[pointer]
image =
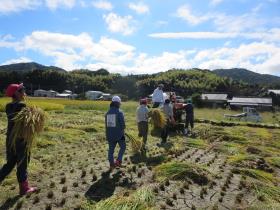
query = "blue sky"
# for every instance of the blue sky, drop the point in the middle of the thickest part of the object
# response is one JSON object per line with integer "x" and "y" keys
{"x": 143, "y": 36}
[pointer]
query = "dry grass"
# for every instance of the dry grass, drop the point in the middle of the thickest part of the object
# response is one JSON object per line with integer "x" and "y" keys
{"x": 157, "y": 118}
{"x": 28, "y": 123}
{"x": 136, "y": 144}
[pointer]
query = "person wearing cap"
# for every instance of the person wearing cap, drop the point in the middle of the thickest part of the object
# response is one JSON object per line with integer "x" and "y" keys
{"x": 189, "y": 116}
{"x": 16, "y": 156}
{"x": 168, "y": 112}
{"x": 142, "y": 120}
{"x": 115, "y": 126}
{"x": 158, "y": 97}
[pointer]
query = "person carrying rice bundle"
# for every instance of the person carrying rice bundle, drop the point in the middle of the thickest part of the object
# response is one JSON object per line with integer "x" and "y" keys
{"x": 142, "y": 115}
{"x": 168, "y": 111}
{"x": 16, "y": 148}
{"x": 115, "y": 126}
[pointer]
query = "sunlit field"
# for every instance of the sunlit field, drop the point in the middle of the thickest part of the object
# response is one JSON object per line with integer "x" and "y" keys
{"x": 217, "y": 167}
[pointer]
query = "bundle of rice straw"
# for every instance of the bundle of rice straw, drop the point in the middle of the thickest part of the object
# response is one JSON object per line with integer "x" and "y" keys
{"x": 136, "y": 144}
{"x": 28, "y": 123}
{"x": 157, "y": 118}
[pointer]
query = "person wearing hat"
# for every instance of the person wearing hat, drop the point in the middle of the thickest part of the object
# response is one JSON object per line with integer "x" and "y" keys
{"x": 115, "y": 126}
{"x": 16, "y": 156}
{"x": 168, "y": 111}
{"x": 142, "y": 120}
{"x": 189, "y": 116}
{"x": 158, "y": 97}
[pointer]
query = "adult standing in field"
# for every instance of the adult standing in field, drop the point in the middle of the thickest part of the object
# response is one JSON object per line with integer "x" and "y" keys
{"x": 189, "y": 117}
{"x": 142, "y": 120}
{"x": 158, "y": 97}
{"x": 16, "y": 156}
{"x": 168, "y": 112}
{"x": 115, "y": 126}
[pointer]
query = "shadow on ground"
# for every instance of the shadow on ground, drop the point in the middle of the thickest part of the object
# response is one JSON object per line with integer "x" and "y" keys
{"x": 106, "y": 185}
{"x": 10, "y": 202}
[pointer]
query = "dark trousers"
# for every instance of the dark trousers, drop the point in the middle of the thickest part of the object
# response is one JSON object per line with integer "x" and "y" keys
{"x": 189, "y": 121}
{"x": 112, "y": 146}
{"x": 143, "y": 130}
{"x": 156, "y": 104}
{"x": 17, "y": 158}
{"x": 164, "y": 133}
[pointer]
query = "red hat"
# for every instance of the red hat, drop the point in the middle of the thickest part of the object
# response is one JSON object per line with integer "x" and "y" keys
{"x": 12, "y": 88}
{"x": 143, "y": 101}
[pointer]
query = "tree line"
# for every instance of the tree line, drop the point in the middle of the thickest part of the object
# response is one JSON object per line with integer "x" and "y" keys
{"x": 184, "y": 82}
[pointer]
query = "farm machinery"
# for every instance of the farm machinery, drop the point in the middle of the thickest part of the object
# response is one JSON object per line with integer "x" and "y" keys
{"x": 178, "y": 111}
{"x": 248, "y": 114}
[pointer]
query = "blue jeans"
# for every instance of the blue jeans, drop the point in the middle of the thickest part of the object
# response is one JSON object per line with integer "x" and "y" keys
{"x": 112, "y": 146}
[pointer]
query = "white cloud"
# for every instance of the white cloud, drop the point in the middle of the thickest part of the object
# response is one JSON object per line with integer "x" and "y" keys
{"x": 243, "y": 22}
{"x": 10, "y": 6}
{"x": 118, "y": 24}
{"x": 184, "y": 12}
{"x": 139, "y": 7}
{"x": 271, "y": 35}
{"x": 68, "y": 50}
{"x": 54, "y": 4}
{"x": 260, "y": 57}
{"x": 81, "y": 51}
{"x": 17, "y": 60}
{"x": 216, "y": 2}
{"x": 102, "y": 4}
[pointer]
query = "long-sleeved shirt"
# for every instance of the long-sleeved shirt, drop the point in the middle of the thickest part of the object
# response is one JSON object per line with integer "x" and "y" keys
{"x": 158, "y": 96}
{"x": 115, "y": 124}
{"x": 142, "y": 113}
{"x": 189, "y": 109}
{"x": 168, "y": 110}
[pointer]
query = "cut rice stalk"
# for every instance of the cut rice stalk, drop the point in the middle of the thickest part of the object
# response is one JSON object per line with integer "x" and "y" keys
{"x": 157, "y": 118}
{"x": 28, "y": 123}
{"x": 136, "y": 144}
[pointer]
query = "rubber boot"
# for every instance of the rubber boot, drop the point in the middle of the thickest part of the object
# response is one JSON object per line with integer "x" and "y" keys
{"x": 118, "y": 163}
{"x": 25, "y": 189}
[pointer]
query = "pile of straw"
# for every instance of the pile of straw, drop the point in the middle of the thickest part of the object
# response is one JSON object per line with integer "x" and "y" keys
{"x": 28, "y": 123}
{"x": 136, "y": 144}
{"x": 157, "y": 118}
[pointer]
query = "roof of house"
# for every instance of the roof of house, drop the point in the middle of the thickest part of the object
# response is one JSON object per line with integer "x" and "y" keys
{"x": 214, "y": 97}
{"x": 277, "y": 92}
{"x": 250, "y": 101}
{"x": 40, "y": 90}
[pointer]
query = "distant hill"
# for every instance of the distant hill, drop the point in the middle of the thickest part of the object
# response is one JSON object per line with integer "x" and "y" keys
{"x": 248, "y": 76}
{"x": 27, "y": 67}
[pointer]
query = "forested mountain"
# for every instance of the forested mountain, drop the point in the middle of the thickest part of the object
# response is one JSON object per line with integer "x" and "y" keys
{"x": 26, "y": 67}
{"x": 185, "y": 82}
{"x": 248, "y": 76}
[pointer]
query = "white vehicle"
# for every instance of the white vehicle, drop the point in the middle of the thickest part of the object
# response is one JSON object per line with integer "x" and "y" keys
{"x": 94, "y": 95}
{"x": 248, "y": 114}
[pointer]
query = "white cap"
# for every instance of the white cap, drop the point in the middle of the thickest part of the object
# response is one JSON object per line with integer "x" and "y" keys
{"x": 116, "y": 99}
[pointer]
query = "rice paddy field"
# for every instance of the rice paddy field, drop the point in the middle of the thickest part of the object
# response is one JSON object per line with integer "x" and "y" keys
{"x": 219, "y": 166}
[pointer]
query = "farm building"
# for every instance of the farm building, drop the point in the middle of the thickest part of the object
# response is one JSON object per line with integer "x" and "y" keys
{"x": 250, "y": 102}
{"x": 45, "y": 93}
{"x": 214, "y": 99}
{"x": 54, "y": 94}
